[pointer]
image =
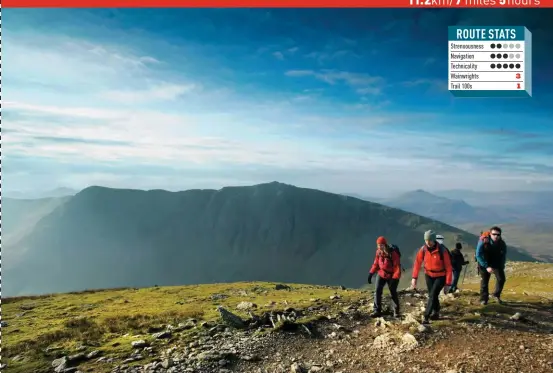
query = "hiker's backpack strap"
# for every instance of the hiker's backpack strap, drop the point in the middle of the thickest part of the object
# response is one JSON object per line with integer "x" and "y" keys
{"x": 396, "y": 249}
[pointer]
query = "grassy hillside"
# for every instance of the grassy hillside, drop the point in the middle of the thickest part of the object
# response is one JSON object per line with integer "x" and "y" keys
{"x": 40, "y": 329}
{"x": 105, "y": 238}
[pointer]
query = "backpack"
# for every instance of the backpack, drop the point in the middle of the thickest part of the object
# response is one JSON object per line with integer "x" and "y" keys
{"x": 441, "y": 249}
{"x": 396, "y": 249}
{"x": 485, "y": 238}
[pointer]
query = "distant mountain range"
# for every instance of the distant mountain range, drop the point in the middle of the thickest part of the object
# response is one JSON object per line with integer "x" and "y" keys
{"x": 103, "y": 238}
{"x": 58, "y": 192}
{"x": 511, "y": 206}
{"x": 526, "y": 217}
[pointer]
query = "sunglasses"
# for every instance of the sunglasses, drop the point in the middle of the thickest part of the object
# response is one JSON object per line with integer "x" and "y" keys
{"x": 496, "y": 234}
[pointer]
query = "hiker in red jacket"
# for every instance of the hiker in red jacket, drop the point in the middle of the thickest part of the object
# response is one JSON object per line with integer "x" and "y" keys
{"x": 438, "y": 273}
{"x": 387, "y": 265}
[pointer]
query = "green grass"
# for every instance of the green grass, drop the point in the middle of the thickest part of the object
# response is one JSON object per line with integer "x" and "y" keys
{"x": 529, "y": 282}
{"x": 107, "y": 320}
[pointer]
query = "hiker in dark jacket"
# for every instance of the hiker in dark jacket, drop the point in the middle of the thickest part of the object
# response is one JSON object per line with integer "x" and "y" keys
{"x": 457, "y": 263}
{"x": 491, "y": 255}
{"x": 387, "y": 265}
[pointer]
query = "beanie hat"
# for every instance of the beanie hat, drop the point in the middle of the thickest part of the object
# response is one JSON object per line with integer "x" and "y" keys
{"x": 458, "y": 246}
{"x": 430, "y": 235}
{"x": 381, "y": 241}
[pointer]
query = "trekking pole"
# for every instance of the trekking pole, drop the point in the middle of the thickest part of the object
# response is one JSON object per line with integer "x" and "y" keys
{"x": 464, "y": 274}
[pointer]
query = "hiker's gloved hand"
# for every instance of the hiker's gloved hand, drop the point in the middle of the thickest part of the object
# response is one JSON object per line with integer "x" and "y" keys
{"x": 446, "y": 289}
{"x": 414, "y": 283}
{"x": 370, "y": 278}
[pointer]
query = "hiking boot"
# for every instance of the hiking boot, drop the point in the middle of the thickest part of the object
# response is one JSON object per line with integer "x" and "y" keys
{"x": 425, "y": 321}
{"x": 497, "y": 299}
{"x": 435, "y": 316}
{"x": 375, "y": 314}
{"x": 396, "y": 315}
{"x": 483, "y": 302}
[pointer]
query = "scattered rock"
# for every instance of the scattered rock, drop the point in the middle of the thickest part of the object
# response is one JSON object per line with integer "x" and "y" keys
{"x": 383, "y": 341}
{"x": 244, "y": 306}
{"x": 282, "y": 287}
{"x": 162, "y": 335}
{"x": 139, "y": 344}
{"x": 93, "y": 354}
{"x": 297, "y": 368}
{"x": 219, "y": 296}
{"x": 409, "y": 340}
{"x": 410, "y": 319}
{"x": 231, "y": 319}
{"x": 316, "y": 368}
{"x": 77, "y": 357}
{"x": 423, "y": 328}
{"x": 335, "y": 297}
{"x": 56, "y": 363}
{"x": 517, "y": 317}
{"x": 167, "y": 363}
{"x": 60, "y": 365}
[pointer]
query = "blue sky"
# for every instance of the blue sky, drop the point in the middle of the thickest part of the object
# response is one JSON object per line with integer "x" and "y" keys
{"x": 342, "y": 100}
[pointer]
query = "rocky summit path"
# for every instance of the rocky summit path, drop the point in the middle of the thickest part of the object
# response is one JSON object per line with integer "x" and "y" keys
{"x": 338, "y": 336}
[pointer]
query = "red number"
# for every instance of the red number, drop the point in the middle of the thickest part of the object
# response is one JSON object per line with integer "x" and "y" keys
{"x": 518, "y": 75}
{"x": 518, "y": 85}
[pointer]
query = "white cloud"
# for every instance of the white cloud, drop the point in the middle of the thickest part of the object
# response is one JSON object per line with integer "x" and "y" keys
{"x": 162, "y": 92}
{"x": 278, "y": 55}
{"x": 101, "y": 94}
{"x": 363, "y": 83}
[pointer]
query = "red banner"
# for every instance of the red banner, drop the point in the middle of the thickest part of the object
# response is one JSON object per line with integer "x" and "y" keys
{"x": 420, "y": 4}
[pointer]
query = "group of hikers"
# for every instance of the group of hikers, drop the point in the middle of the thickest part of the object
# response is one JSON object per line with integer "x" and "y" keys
{"x": 442, "y": 270}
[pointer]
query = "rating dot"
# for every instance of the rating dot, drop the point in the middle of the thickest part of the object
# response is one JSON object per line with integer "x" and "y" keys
{"x": 517, "y": 46}
{"x": 505, "y": 46}
{"x": 505, "y": 66}
{"x": 512, "y": 66}
{"x": 492, "y": 65}
{"x": 517, "y": 65}
{"x": 492, "y": 55}
{"x": 511, "y": 46}
{"x": 517, "y": 56}
{"x": 492, "y": 46}
{"x": 505, "y": 55}
{"x": 498, "y": 55}
{"x": 498, "y": 66}
{"x": 498, "y": 46}
{"x": 511, "y": 56}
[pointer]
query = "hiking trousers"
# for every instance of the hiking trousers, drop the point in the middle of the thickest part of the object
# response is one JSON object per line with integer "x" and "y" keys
{"x": 456, "y": 276}
{"x": 379, "y": 288}
{"x": 435, "y": 285}
{"x": 500, "y": 278}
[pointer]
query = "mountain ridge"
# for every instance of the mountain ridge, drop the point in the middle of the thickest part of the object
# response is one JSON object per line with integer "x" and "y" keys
{"x": 105, "y": 237}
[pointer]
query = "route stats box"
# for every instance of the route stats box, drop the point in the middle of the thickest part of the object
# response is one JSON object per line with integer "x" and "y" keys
{"x": 490, "y": 61}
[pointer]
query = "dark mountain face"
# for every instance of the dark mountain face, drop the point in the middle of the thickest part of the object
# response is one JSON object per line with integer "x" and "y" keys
{"x": 271, "y": 232}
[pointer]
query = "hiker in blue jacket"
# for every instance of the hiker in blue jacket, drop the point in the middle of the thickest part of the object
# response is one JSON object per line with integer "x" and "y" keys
{"x": 491, "y": 255}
